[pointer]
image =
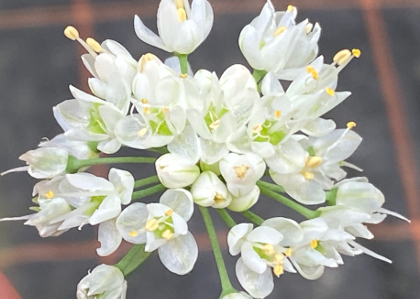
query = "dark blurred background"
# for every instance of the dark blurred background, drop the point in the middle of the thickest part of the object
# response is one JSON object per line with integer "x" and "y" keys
{"x": 37, "y": 63}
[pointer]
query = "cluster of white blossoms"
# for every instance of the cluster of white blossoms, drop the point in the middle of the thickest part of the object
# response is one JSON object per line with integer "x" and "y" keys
{"x": 221, "y": 139}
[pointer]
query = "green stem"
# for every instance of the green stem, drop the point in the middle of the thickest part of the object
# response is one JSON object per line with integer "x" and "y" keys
{"x": 133, "y": 259}
{"x": 74, "y": 164}
{"x": 331, "y": 196}
{"x": 146, "y": 181}
{"x": 183, "y": 62}
{"x": 290, "y": 203}
{"x": 272, "y": 187}
{"x": 224, "y": 278}
{"x": 226, "y": 217}
{"x": 253, "y": 217}
{"x": 258, "y": 75}
{"x": 161, "y": 150}
{"x": 149, "y": 191}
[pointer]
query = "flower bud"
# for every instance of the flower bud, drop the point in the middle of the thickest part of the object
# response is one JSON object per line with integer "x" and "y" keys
{"x": 175, "y": 172}
{"x": 210, "y": 167}
{"x": 208, "y": 190}
{"x": 103, "y": 282}
{"x": 46, "y": 162}
{"x": 243, "y": 203}
{"x": 239, "y": 295}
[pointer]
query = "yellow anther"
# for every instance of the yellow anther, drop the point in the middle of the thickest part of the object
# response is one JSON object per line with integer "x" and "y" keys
{"x": 311, "y": 70}
{"x": 241, "y": 171}
{"x": 152, "y": 225}
{"x": 308, "y": 28}
{"x": 279, "y": 30}
{"x": 71, "y": 33}
{"x": 94, "y": 44}
{"x": 167, "y": 234}
{"x": 164, "y": 109}
{"x": 288, "y": 252}
{"x": 183, "y": 76}
{"x": 148, "y": 57}
{"x": 351, "y": 124}
{"x": 356, "y": 53}
{"x": 214, "y": 124}
{"x": 277, "y": 113}
{"x": 290, "y": 8}
{"x": 314, "y": 243}
{"x": 278, "y": 258}
{"x": 142, "y": 132}
{"x": 133, "y": 233}
{"x": 179, "y": 4}
{"x": 256, "y": 129}
{"x": 278, "y": 270}
{"x": 182, "y": 15}
{"x": 342, "y": 56}
{"x": 313, "y": 162}
{"x": 218, "y": 198}
{"x": 308, "y": 175}
{"x": 330, "y": 91}
{"x": 269, "y": 249}
{"x": 169, "y": 212}
{"x": 144, "y": 101}
{"x": 49, "y": 195}
{"x": 146, "y": 110}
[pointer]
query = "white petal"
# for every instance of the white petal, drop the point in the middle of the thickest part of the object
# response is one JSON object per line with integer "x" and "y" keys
{"x": 109, "y": 208}
{"x": 89, "y": 182}
{"x": 319, "y": 127}
{"x": 236, "y": 237}
{"x": 265, "y": 234}
{"x": 257, "y": 285}
{"x": 109, "y": 237}
{"x": 290, "y": 229}
{"x": 289, "y": 157}
{"x": 251, "y": 258}
{"x": 186, "y": 145}
{"x": 309, "y": 193}
{"x": 123, "y": 182}
{"x": 146, "y": 35}
{"x": 180, "y": 254}
{"x": 131, "y": 223}
{"x": 180, "y": 201}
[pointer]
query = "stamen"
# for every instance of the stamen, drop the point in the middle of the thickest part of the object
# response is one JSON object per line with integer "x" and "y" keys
{"x": 278, "y": 258}
{"x": 167, "y": 234}
{"x": 342, "y": 57}
{"x": 279, "y": 30}
{"x": 330, "y": 91}
{"x": 133, "y": 233}
{"x": 356, "y": 53}
{"x": 218, "y": 198}
{"x": 314, "y": 243}
{"x": 182, "y": 15}
{"x": 277, "y": 113}
{"x": 241, "y": 171}
{"x": 152, "y": 225}
{"x": 351, "y": 125}
{"x": 164, "y": 110}
{"x": 288, "y": 252}
{"x": 215, "y": 124}
{"x": 179, "y": 4}
{"x": 269, "y": 249}
{"x": 311, "y": 70}
{"x": 256, "y": 129}
{"x": 183, "y": 76}
{"x": 290, "y": 8}
{"x": 169, "y": 212}
{"x": 71, "y": 33}
{"x": 94, "y": 44}
{"x": 309, "y": 27}
{"x": 49, "y": 195}
{"x": 146, "y": 110}
{"x": 142, "y": 132}
{"x": 308, "y": 175}
{"x": 144, "y": 59}
{"x": 144, "y": 101}
{"x": 313, "y": 162}
{"x": 278, "y": 270}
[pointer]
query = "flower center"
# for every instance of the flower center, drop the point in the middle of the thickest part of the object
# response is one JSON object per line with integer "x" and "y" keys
{"x": 241, "y": 171}
{"x": 162, "y": 226}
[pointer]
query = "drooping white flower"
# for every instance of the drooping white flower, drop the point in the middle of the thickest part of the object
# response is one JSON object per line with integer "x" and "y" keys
{"x": 176, "y": 172}
{"x": 163, "y": 226}
{"x": 181, "y": 28}
{"x": 78, "y": 149}
{"x": 241, "y": 172}
{"x": 238, "y": 295}
{"x": 208, "y": 190}
{"x": 305, "y": 169}
{"x": 273, "y": 42}
{"x": 245, "y": 202}
{"x": 103, "y": 282}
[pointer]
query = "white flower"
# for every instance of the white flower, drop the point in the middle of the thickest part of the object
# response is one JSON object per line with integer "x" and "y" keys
{"x": 243, "y": 203}
{"x": 273, "y": 42}
{"x": 308, "y": 168}
{"x": 241, "y": 172}
{"x": 163, "y": 225}
{"x": 78, "y": 149}
{"x": 239, "y": 295}
{"x": 44, "y": 162}
{"x": 228, "y": 105}
{"x": 181, "y": 28}
{"x": 88, "y": 118}
{"x": 176, "y": 172}
{"x": 103, "y": 282}
{"x": 208, "y": 190}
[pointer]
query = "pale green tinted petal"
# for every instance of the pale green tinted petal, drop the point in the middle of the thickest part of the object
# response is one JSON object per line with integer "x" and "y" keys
{"x": 123, "y": 182}
{"x": 180, "y": 254}
{"x": 104, "y": 278}
{"x": 109, "y": 237}
{"x": 309, "y": 272}
{"x": 55, "y": 208}
{"x": 251, "y": 258}
{"x": 212, "y": 152}
{"x": 236, "y": 237}
{"x": 131, "y": 223}
{"x": 290, "y": 229}
{"x": 308, "y": 193}
{"x": 289, "y": 157}
{"x": 360, "y": 195}
{"x": 243, "y": 203}
{"x": 180, "y": 201}
{"x": 257, "y": 285}
{"x": 109, "y": 208}
{"x": 319, "y": 127}
{"x": 186, "y": 145}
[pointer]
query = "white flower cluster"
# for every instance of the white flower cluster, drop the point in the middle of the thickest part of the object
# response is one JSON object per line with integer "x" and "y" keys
{"x": 221, "y": 136}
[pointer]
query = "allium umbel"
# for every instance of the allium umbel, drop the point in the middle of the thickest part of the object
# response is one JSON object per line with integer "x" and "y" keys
{"x": 216, "y": 143}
